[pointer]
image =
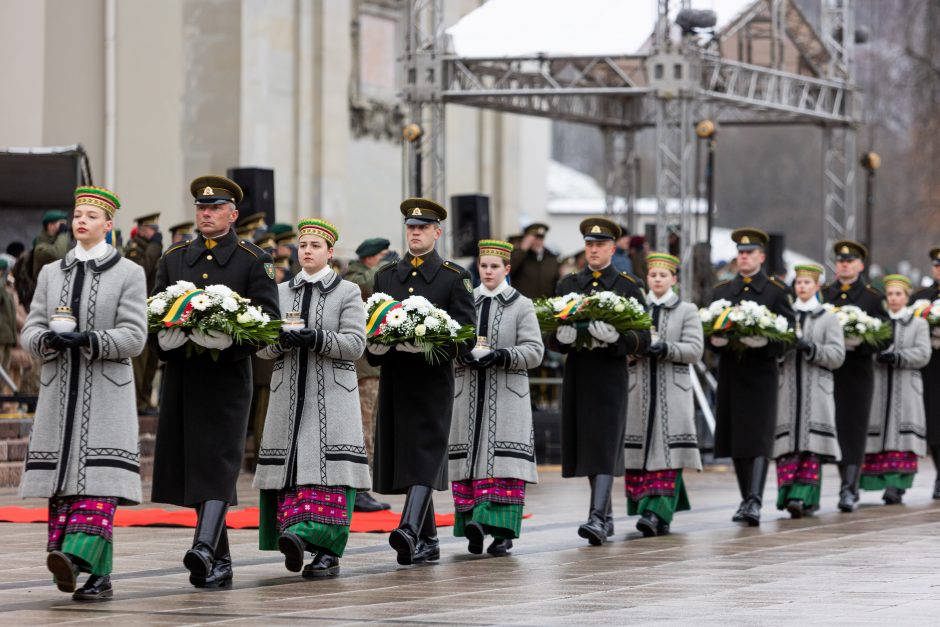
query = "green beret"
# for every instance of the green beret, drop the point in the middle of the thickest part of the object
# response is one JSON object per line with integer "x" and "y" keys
{"x": 279, "y": 228}
{"x": 54, "y": 216}
{"x": 372, "y": 246}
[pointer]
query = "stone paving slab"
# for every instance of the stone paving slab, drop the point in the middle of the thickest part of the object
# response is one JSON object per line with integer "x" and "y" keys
{"x": 877, "y": 565}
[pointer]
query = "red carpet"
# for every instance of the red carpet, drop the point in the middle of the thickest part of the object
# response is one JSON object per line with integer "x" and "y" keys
{"x": 247, "y": 518}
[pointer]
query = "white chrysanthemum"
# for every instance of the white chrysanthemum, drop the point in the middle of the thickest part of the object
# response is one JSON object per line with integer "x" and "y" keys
{"x": 222, "y": 291}
{"x": 376, "y": 298}
{"x": 157, "y": 306}
{"x": 736, "y": 316}
{"x": 200, "y": 302}
{"x": 763, "y": 322}
{"x": 861, "y": 328}
{"x": 179, "y": 288}
{"x": 705, "y": 315}
{"x": 420, "y": 330}
{"x": 432, "y": 323}
{"x": 781, "y": 324}
{"x": 229, "y": 304}
{"x": 396, "y": 318}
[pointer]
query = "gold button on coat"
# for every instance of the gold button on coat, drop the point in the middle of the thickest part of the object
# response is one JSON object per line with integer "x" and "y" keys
{"x": 414, "y": 274}
{"x": 209, "y": 257}
{"x": 205, "y": 276}
{"x": 594, "y": 283}
{"x": 411, "y": 290}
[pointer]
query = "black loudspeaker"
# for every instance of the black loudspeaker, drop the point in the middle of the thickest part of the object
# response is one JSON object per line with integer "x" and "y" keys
{"x": 774, "y": 265}
{"x": 471, "y": 218}
{"x": 258, "y": 185}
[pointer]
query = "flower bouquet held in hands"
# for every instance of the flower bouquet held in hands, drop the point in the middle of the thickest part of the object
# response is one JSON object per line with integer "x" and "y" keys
{"x": 930, "y": 311}
{"x": 859, "y": 327}
{"x": 745, "y": 325}
{"x": 208, "y": 318}
{"x": 579, "y": 312}
{"x": 414, "y": 321}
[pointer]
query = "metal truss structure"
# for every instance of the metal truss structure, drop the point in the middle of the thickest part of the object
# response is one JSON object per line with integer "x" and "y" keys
{"x": 669, "y": 89}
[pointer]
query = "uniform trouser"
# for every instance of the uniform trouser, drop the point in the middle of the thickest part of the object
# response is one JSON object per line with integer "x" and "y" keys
{"x": 145, "y": 370}
{"x": 368, "y": 398}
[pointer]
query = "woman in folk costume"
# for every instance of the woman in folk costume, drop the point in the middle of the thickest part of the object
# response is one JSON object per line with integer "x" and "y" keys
{"x": 805, "y": 436}
{"x": 660, "y": 438}
{"x": 87, "y": 320}
{"x": 312, "y": 457}
{"x": 492, "y": 447}
{"x": 897, "y": 427}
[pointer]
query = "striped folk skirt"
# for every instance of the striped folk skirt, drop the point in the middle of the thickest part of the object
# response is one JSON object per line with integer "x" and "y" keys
{"x": 660, "y": 492}
{"x": 81, "y": 527}
{"x": 894, "y": 469}
{"x": 319, "y": 515}
{"x": 799, "y": 478}
{"x": 494, "y": 503}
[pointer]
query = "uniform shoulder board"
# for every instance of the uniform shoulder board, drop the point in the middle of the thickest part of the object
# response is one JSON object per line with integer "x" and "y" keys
{"x": 388, "y": 266}
{"x": 873, "y": 290}
{"x": 827, "y": 285}
{"x": 779, "y": 284}
{"x": 629, "y": 277}
{"x": 178, "y": 246}
{"x": 254, "y": 250}
{"x": 452, "y": 267}
{"x": 720, "y": 283}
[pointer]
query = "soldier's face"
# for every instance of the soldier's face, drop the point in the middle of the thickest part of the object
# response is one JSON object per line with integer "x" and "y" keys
{"x": 215, "y": 220}
{"x": 90, "y": 224}
{"x": 935, "y": 268}
{"x": 493, "y": 271}
{"x": 896, "y": 297}
{"x": 805, "y": 287}
{"x": 599, "y": 253}
{"x": 750, "y": 261}
{"x": 660, "y": 281}
{"x": 421, "y": 237}
{"x": 849, "y": 269}
{"x": 313, "y": 253}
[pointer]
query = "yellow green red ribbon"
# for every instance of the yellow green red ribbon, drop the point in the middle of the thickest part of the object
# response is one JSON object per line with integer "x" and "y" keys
{"x": 922, "y": 312}
{"x": 723, "y": 322}
{"x": 379, "y": 315}
{"x": 180, "y": 309}
{"x": 570, "y": 309}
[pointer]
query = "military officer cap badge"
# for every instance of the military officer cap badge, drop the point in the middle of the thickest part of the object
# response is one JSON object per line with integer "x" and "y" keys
{"x": 419, "y": 211}
{"x": 599, "y": 229}
{"x": 846, "y": 250}
{"x": 749, "y": 238}
{"x": 215, "y": 190}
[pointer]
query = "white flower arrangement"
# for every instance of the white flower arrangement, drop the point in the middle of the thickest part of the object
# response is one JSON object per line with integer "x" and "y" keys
{"x": 746, "y": 319}
{"x": 859, "y": 327}
{"x": 579, "y": 310}
{"x": 414, "y": 319}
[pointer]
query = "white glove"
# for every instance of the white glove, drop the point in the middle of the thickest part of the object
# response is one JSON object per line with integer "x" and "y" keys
{"x": 935, "y": 343}
{"x": 603, "y": 331}
{"x": 377, "y": 349}
{"x": 171, "y": 338}
{"x": 408, "y": 347}
{"x": 851, "y": 343}
{"x": 212, "y": 339}
{"x": 717, "y": 341}
{"x": 754, "y": 341}
{"x": 566, "y": 334}
{"x": 935, "y": 332}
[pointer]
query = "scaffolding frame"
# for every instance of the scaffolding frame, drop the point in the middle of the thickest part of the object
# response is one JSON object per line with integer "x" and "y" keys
{"x": 668, "y": 89}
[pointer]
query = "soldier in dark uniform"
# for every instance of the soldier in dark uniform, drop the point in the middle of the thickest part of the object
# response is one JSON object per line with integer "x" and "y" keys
{"x": 262, "y": 370}
{"x": 747, "y": 383}
{"x": 594, "y": 391}
{"x": 204, "y": 408}
{"x": 535, "y": 269}
{"x": 415, "y": 397}
{"x": 854, "y": 380}
{"x": 182, "y": 232}
{"x": 931, "y": 374}
{"x": 145, "y": 249}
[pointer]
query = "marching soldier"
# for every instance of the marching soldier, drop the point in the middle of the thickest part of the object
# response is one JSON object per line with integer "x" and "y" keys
{"x": 854, "y": 380}
{"x": 931, "y": 373}
{"x": 204, "y": 410}
{"x": 145, "y": 249}
{"x": 416, "y": 398}
{"x": 747, "y": 384}
{"x": 535, "y": 269}
{"x": 594, "y": 403}
{"x": 181, "y": 232}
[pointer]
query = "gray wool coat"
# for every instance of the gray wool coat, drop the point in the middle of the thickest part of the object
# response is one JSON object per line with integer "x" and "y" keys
{"x": 806, "y": 409}
{"x": 491, "y": 432}
{"x": 660, "y": 430}
{"x": 313, "y": 429}
{"x": 84, "y": 438}
{"x": 897, "y": 421}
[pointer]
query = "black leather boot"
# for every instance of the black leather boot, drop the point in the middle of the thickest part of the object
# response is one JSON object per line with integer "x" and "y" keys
{"x": 649, "y": 524}
{"x": 221, "y": 574}
{"x": 97, "y": 588}
{"x": 366, "y": 503}
{"x": 64, "y": 570}
{"x": 935, "y": 454}
{"x": 475, "y": 535}
{"x": 209, "y": 525}
{"x": 323, "y": 565}
{"x": 742, "y": 471}
{"x": 429, "y": 547}
{"x": 405, "y": 539}
{"x": 848, "y": 492}
{"x": 499, "y": 547}
{"x": 292, "y": 547}
{"x": 795, "y": 507}
{"x": 610, "y": 519}
{"x": 595, "y": 529}
{"x": 892, "y": 496}
{"x": 755, "y": 497}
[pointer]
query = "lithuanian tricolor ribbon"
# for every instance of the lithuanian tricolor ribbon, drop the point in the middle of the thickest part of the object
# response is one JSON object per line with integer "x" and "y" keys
{"x": 379, "y": 315}
{"x": 723, "y": 322}
{"x": 570, "y": 309}
{"x": 922, "y": 312}
{"x": 180, "y": 309}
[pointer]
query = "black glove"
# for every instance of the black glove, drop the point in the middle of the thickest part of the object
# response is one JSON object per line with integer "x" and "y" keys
{"x": 467, "y": 360}
{"x": 300, "y": 338}
{"x": 891, "y": 359}
{"x": 659, "y": 349}
{"x": 65, "y": 341}
{"x": 804, "y": 346}
{"x": 499, "y": 357}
